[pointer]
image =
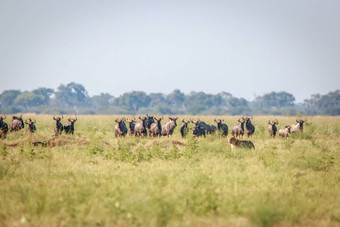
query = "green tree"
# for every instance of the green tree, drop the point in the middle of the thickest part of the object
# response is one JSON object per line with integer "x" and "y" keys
{"x": 276, "y": 100}
{"x": 176, "y": 99}
{"x": 238, "y": 106}
{"x": 197, "y": 102}
{"x": 29, "y": 99}
{"x": 72, "y": 95}
{"x": 132, "y": 101}
{"x": 324, "y": 104}
{"x": 46, "y": 93}
{"x": 104, "y": 99}
{"x": 157, "y": 99}
{"x": 7, "y": 97}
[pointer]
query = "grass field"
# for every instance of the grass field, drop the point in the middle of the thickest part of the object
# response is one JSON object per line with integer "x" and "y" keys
{"x": 92, "y": 178}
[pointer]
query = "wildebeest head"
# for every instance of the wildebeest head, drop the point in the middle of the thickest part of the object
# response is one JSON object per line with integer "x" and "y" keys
{"x": 185, "y": 121}
{"x": 72, "y": 120}
{"x": 30, "y": 121}
{"x": 247, "y": 119}
{"x": 288, "y": 127}
{"x": 58, "y": 118}
{"x": 241, "y": 120}
{"x": 149, "y": 121}
{"x": 144, "y": 120}
{"x": 158, "y": 119}
{"x": 2, "y": 118}
{"x": 131, "y": 122}
{"x": 30, "y": 125}
{"x": 173, "y": 119}
{"x": 273, "y": 122}
{"x": 219, "y": 122}
{"x": 301, "y": 122}
{"x": 120, "y": 122}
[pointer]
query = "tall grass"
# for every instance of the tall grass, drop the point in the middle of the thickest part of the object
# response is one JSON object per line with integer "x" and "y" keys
{"x": 92, "y": 178}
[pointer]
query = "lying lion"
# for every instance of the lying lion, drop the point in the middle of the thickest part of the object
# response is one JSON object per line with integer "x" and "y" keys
{"x": 234, "y": 143}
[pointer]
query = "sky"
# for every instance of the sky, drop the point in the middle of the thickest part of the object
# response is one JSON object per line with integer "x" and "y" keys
{"x": 244, "y": 47}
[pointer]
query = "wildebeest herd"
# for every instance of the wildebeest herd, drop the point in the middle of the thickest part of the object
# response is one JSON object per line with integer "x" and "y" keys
{"x": 152, "y": 126}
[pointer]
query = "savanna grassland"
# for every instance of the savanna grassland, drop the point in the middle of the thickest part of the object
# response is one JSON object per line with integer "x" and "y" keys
{"x": 92, "y": 178}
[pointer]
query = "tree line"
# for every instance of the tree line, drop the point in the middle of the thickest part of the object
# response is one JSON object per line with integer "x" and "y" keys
{"x": 74, "y": 99}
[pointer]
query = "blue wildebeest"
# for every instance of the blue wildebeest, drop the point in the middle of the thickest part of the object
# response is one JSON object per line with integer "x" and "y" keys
{"x": 298, "y": 127}
{"x": 131, "y": 126}
{"x": 149, "y": 121}
{"x": 156, "y": 128}
{"x": 58, "y": 128}
{"x": 284, "y": 132}
{"x": 17, "y": 123}
{"x": 69, "y": 127}
{"x": 184, "y": 128}
{"x": 222, "y": 127}
{"x": 208, "y": 128}
{"x": 120, "y": 128}
{"x": 169, "y": 127}
{"x": 238, "y": 130}
{"x": 140, "y": 128}
{"x": 3, "y": 127}
{"x": 198, "y": 129}
{"x": 272, "y": 129}
{"x": 250, "y": 128}
{"x": 31, "y": 125}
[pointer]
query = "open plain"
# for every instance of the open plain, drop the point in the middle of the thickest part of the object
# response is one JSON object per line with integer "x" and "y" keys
{"x": 92, "y": 178}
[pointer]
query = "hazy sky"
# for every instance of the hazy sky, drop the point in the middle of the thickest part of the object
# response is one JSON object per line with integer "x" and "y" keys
{"x": 245, "y": 47}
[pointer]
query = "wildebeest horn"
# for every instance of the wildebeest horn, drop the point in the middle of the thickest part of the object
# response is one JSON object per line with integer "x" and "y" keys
{"x": 53, "y": 117}
{"x": 69, "y": 118}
